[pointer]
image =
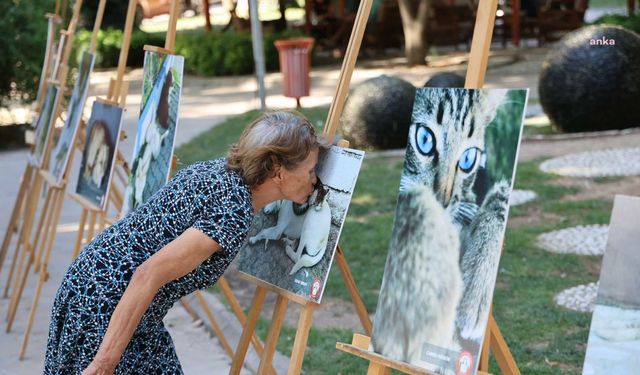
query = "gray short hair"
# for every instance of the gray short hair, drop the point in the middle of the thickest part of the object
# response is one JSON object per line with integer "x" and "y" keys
{"x": 275, "y": 138}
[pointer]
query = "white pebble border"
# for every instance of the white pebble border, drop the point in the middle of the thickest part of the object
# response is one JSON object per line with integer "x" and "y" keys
{"x": 602, "y": 163}
{"x": 579, "y": 298}
{"x": 581, "y": 240}
{"x": 521, "y": 197}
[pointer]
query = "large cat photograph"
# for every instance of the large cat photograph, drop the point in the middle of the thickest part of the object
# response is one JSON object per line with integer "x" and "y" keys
{"x": 449, "y": 227}
{"x": 291, "y": 245}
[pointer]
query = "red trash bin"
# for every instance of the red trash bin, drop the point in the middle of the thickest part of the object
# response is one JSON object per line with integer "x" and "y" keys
{"x": 295, "y": 65}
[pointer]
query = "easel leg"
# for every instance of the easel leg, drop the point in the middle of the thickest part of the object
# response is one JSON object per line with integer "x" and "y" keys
{"x": 79, "y": 242}
{"x": 376, "y": 369}
{"x": 47, "y": 215}
{"x": 361, "y": 309}
{"x": 23, "y": 241}
{"x": 501, "y": 350}
{"x": 30, "y": 255}
{"x": 92, "y": 226}
{"x": 25, "y": 230}
{"x": 14, "y": 260}
{"x": 102, "y": 224}
{"x": 15, "y": 214}
{"x": 300, "y": 342}
{"x": 247, "y": 330}
{"x": 274, "y": 333}
{"x": 484, "y": 354}
{"x": 237, "y": 310}
{"x": 44, "y": 272}
{"x": 214, "y": 323}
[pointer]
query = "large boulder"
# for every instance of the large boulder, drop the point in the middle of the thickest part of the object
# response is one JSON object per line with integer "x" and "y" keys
{"x": 591, "y": 80}
{"x": 445, "y": 79}
{"x": 377, "y": 114}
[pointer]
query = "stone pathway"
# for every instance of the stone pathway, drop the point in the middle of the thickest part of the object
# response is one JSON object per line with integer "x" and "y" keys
{"x": 600, "y": 163}
{"x": 519, "y": 197}
{"x": 580, "y": 298}
{"x": 580, "y": 240}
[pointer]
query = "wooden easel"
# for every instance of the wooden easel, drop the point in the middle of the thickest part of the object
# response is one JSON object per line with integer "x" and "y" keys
{"x": 494, "y": 341}
{"x": 308, "y": 307}
{"x": 32, "y": 195}
{"x": 51, "y": 213}
{"x": 53, "y": 20}
{"x": 116, "y": 95}
{"x": 17, "y": 214}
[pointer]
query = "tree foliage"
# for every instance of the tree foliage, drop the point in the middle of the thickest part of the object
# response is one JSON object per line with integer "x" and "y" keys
{"x": 115, "y": 15}
{"x": 23, "y": 35}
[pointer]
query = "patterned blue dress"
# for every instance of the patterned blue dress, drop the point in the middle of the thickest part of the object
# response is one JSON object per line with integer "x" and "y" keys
{"x": 205, "y": 196}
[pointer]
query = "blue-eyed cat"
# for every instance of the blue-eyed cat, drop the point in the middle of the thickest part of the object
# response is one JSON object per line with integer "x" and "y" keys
{"x": 445, "y": 244}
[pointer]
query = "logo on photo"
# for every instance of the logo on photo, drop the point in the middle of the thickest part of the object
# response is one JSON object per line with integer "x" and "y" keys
{"x": 464, "y": 364}
{"x": 315, "y": 287}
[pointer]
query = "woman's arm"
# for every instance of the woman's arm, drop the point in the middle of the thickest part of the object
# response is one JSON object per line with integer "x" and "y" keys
{"x": 176, "y": 259}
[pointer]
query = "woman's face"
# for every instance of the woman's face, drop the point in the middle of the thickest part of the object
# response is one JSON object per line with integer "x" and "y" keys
{"x": 297, "y": 183}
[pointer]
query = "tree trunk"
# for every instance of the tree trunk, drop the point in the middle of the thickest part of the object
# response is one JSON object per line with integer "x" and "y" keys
{"x": 414, "y": 14}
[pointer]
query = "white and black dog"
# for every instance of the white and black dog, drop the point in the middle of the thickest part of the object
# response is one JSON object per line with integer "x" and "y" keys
{"x": 309, "y": 222}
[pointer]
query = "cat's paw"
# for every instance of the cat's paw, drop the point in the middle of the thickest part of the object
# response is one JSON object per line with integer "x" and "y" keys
{"x": 497, "y": 201}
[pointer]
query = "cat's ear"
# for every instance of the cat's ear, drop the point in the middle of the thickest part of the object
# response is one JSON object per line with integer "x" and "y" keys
{"x": 492, "y": 100}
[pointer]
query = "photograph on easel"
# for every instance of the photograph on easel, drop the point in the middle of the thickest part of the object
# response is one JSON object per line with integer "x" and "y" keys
{"x": 63, "y": 146}
{"x": 291, "y": 245}
{"x": 50, "y": 52}
{"x": 614, "y": 336}
{"x": 55, "y": 68}
{"x": 151, "y": 161}
{"x": 44, "y": 124}
{"x": 449, "y": 226}
{"x": 96, "y": 167}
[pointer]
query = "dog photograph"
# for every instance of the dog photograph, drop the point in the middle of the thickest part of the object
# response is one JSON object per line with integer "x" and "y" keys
{"x": 64, "y": 143}
{"x": 44, "y": 124}
{"x": 98, "y": 159}
{"x": 291, "y": 245}
{"x": 449, "y": 226}
{"x": 151, "y": 161}
{"x": 614, "y": 335}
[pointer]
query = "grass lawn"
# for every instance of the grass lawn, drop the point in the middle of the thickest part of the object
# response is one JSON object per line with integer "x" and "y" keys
{"x": 544, "y": 338}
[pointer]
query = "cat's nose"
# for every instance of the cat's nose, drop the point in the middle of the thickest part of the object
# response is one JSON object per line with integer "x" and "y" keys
{"x": 445, "y": 190}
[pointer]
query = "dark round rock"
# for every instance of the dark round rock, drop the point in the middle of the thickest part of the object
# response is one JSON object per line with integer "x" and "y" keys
{"x": 377, "y": 114}
{"x": 591, "y": 80}
{"x": 445, "y": 79}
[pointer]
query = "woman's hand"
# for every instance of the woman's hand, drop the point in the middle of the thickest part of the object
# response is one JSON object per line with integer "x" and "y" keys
{"x": 98, "y": 368}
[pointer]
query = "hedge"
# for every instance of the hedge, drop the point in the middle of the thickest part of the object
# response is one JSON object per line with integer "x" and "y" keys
{"x": 23, "y": 36}
{"x": 631, "y": 22}
{"x": 213, "y": 54}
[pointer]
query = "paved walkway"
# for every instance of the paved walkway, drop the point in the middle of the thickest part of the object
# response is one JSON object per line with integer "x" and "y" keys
{"x": 205, "y": 103}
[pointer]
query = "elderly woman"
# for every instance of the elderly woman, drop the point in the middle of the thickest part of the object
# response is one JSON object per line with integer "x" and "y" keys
{"x": 107, "y": 315}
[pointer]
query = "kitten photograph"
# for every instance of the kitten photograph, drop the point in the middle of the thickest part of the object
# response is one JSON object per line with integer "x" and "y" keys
{"x": 449, "y": 226}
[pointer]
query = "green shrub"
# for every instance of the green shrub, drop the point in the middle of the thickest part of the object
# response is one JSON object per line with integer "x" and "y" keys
{"x": 218, "y": 53}
{"x": 108, "y": 46}
{"x": 23, "y": 36}
{"x": 114, "y": 16}
{"x": 631, "y": 22}
{"x": 213, "y": 54}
